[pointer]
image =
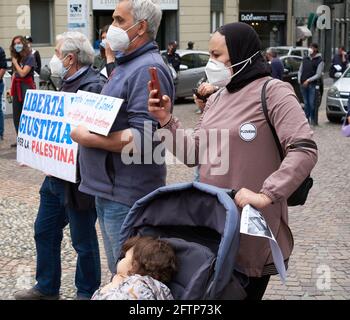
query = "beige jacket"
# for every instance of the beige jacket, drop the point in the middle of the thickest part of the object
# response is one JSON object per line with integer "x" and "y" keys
{"x": 253, "y": 158}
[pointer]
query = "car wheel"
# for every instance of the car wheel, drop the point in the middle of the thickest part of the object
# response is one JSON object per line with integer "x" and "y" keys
{"x": 334, "y": 118}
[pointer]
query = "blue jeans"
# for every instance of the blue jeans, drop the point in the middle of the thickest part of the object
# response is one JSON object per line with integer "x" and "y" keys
{"x": 1, "y": 113}
{"x": 111, "y": 216}
{"x": 309, "y": 94}
{"x": 52, "y": 217}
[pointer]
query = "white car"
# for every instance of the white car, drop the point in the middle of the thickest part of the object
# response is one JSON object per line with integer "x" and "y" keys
{"x": 337, "y": 98}
{"x": 292, "y": 51}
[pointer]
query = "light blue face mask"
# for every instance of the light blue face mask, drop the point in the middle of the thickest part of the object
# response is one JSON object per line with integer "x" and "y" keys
{"x": 18, "y": 47}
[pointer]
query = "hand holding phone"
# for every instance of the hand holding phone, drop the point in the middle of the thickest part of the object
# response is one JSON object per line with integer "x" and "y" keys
{"x": 155, "y": 84}
{"x": 200, "y": 97}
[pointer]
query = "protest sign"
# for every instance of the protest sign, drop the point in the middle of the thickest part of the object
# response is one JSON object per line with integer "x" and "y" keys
{"x": 44, "y": 141}
{"x": 94, "y": 111}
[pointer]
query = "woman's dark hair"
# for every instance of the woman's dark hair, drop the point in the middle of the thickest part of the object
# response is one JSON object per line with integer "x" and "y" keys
{"x": 24, "y": 53}
{"x": 315, "y": 46}
{"x": 151, "y": 257}
{"x": 104, "y": 29}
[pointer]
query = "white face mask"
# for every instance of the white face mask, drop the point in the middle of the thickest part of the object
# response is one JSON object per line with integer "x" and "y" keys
{"x": 220, "y": 75}
{"x": 103, "y": 43}
{"x": 57, "y": 67}
{"x": 118, "y": 38}
{"x": 311, "y": 52}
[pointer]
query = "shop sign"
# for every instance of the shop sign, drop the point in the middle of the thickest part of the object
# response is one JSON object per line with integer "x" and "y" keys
{"x": 78, "y": 16}
{"x": 261, "y": 17}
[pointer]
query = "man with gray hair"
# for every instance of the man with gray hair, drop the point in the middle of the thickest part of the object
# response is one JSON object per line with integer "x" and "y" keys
{"x": 276, "y": 64}
{"x": 117, "y": 184}
{"x": 60, "y": 201}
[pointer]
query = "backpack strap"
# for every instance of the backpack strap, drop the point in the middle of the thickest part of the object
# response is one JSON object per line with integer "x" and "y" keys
{"x": 305, "y": 143}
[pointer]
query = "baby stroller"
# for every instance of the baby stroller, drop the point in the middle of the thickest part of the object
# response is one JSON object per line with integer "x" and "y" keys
{"x": 202, "y": 224}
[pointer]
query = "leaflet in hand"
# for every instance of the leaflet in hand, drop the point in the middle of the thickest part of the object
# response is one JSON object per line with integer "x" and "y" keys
{"x": 254, "y": 224}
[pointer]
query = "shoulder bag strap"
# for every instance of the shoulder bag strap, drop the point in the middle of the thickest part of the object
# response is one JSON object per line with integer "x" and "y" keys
{"x": 305, "y": 143}
{"x": 264, "y": 107}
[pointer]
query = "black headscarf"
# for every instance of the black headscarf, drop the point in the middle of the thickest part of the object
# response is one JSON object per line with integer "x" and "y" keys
{"x": 242, "y": 42}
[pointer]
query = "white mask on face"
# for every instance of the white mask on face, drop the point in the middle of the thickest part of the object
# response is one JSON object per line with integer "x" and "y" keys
{"x": 311, "y": 51}
{"x": 118, "y": 38}
{"x": 57, "y": 68}
{"x": 103, "y": 43}
{"x": 220, "y": 75}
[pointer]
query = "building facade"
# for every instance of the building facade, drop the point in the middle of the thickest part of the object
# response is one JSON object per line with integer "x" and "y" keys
{"x": 268, "y": 18}
{"x": 304, "y": 13}
{"x": 183, "y": 20}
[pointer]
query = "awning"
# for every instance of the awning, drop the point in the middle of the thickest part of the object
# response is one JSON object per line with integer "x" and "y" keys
{"x": 303, "y": 32}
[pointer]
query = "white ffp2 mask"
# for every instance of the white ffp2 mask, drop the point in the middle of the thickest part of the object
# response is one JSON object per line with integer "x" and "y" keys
{"x": 220, "y": 75}
{"x": 118, "y": 38}
{"x": 57, "y": 68}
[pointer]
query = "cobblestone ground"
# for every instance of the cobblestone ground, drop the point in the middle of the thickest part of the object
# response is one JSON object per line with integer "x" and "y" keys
{"x": 320, "y": 264}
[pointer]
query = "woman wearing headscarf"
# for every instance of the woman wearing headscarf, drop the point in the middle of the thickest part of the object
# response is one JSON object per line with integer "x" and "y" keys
{"x": 246, "y": 157}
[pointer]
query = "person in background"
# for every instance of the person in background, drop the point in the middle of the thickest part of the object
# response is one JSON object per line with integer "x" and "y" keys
{"x": 23, "y": 64}
{"x": 3, "y": 67}
{"x": 172, "y": 57}
{"x": 340, "y": 59}
{"x": 36, "y": 55}
{"x": 309, "y": 75}
{"x": 60, "y": 201}
{"x": 100, "y": 59}
{"x": 277, "y": 68}
{"x": 190, "y": 45}
{"x": 105, "y": 61}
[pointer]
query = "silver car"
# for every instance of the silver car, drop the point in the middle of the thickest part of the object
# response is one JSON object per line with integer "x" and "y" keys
{"x": 337, "y": 98}
{"x": 192, "y": 67}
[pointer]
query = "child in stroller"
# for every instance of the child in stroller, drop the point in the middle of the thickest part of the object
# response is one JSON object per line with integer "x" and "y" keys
{"x": 201, "y": 222}
{"x": 146, "y": 266}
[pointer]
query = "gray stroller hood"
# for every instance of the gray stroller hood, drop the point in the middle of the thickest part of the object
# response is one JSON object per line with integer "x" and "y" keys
{"x": 202, "y": 224}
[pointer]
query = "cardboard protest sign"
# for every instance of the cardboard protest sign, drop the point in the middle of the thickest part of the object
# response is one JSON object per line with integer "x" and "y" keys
{"x": 44, "y": 141}
{"x": 94, "y": 111}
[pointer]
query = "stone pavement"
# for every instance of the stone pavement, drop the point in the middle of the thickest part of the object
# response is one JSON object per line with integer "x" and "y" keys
{"x": 319, "y": 266}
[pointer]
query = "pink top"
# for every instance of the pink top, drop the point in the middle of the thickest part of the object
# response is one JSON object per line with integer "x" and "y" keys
{"x": 251, "y": 157}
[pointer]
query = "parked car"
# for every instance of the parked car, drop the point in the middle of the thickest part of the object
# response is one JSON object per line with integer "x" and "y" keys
{"x": 192, "y": 68}
{"x": 291, "y": 51}
{"x": 337, "y": 98}
{"x": 291, "y": 66}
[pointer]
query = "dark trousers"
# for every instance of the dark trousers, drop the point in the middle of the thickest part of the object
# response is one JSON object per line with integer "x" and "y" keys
{"x": 17, "y": 106}
{"x": 1, "y": 113}
{"x": 52, "y": 217}
{"x": 256, "y": 287}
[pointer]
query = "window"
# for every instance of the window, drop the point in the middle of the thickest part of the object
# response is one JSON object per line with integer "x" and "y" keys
{"x": 296, "y": 53}
{"x": 217, "y": 14}
{"x": 292, "y": 64}
{"x": 41, "y": 21}
{"x": 202, "y": 60}
{"x": 217, "y": 20}
{"x": 282, "y": 52}
{"x": 188, "y": 60}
